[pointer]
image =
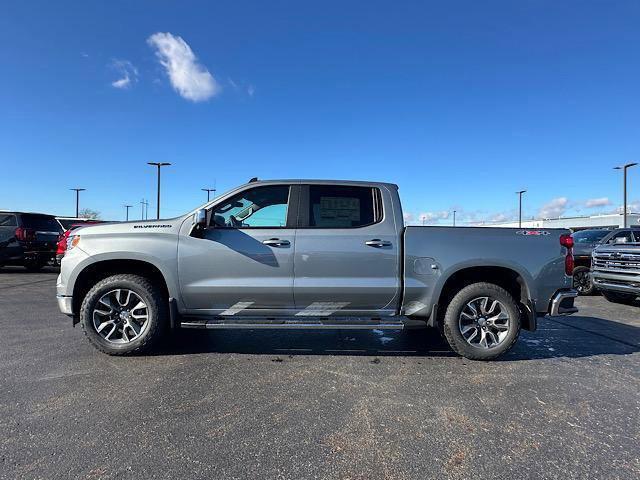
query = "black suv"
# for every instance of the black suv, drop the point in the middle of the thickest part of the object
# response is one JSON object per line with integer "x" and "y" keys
{"x": 584, "y": 241}
{"x": 28, "y": 239}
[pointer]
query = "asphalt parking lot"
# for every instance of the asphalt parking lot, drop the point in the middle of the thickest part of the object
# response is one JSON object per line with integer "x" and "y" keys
{"x": 316, "y": 404}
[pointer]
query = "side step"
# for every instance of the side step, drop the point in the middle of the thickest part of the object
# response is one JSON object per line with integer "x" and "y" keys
{"x": 297, "y": 323}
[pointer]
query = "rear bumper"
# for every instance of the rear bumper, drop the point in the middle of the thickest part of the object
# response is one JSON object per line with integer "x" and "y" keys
{"x": 562, "y": 303}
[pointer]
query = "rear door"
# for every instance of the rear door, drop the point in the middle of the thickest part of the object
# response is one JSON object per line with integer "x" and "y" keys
{"x": 347, "y": 252}
{"x": 9, "y": 247}
{"x": 242, "y": 264}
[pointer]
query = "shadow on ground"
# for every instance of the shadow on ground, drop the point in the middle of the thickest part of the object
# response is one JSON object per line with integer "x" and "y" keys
{"x": 556, "y": 338}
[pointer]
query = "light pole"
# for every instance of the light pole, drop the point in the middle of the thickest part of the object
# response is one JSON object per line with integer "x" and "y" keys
{"x": 127, "y": 207}
{"x": 454, "y": 218}
{"x": 209, "y": 190}
{"x": 159, "y": 164}
{"x": 624, "y": 189}
{"x": 78, "y": 190}
{"x": 520, "y": 192}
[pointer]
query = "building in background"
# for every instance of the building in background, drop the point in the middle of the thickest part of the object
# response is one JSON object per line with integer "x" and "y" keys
{"x": 614, "y": 220}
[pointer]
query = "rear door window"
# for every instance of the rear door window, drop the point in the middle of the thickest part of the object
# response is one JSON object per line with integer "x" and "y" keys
{"x": 8, "y": 220}
{"x": 41, "y": 223}
{"x": 343, "y": 206}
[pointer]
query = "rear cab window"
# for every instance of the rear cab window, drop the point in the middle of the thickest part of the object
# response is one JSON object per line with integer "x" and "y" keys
{"x": 342, "y": 206}
{"x": 40, "y": 223}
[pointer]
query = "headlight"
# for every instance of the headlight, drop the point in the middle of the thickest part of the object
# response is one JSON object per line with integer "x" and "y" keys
{"x": 72, "y": 241}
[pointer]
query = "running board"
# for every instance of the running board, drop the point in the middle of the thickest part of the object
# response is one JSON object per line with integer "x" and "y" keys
{"x": 288, "y": 323}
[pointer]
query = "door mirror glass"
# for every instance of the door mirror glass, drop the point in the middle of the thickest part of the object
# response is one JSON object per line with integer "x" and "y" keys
{"x": 200, "y": 218}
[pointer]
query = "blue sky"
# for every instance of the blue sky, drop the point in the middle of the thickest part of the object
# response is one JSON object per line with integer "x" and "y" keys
{"x": 460, "y": 103}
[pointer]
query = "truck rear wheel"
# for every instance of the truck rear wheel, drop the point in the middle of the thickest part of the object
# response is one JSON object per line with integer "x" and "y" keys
{"x": 482, "y": 321}
{"x": 124, "y": 314}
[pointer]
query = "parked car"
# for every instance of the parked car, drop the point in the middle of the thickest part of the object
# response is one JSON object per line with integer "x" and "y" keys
{"x": 616, "y": 268}
{"x": 64, "y": 237}
{"x": 28, "y": 239}
{"x": 584, "y": 243}
{"x": 312, "y": 254}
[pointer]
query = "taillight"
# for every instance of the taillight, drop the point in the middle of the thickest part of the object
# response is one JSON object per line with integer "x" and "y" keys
{"x": 25, "y": 234}
{"x": 62, "y": 243}
{"x": 567, "y": 242}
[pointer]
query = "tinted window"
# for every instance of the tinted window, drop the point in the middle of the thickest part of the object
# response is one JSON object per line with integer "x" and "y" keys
{"x": 624, "y": 236}
{"x": 589, "y": 236}
{"x": 8, "y": 220}
{"x": 42, "y": 223}
{"x": 258, "y": 207}
{"x": 334, "y": 206}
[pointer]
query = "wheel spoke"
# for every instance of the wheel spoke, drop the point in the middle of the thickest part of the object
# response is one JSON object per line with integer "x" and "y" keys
{"x": 108, "y": 335}
{"x": 103, "y": 325}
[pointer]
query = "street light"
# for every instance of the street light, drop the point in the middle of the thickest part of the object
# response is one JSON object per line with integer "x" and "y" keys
{"x": 127, "y": 207}
{"x": 454, "y": 218}
{"x": 209, "y": 190}
{"x": 78, "y": 190}
{"x": 624, "y": 189}
{"x": 159, "y": 164}
{"x": 519, "y": 193}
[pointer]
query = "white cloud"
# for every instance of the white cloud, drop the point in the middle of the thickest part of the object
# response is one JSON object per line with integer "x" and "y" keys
{"x": 597, "y": 202}
{"x": 554, "y": 208}
{"x": 251, "y": 90}
{"x": 430, "y": 217}
{"x": 128, "y": 74}
{"x": 188, "y": 77}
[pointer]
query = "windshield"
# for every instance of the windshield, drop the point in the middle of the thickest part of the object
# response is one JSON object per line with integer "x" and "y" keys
{"x": 589, "y": 236}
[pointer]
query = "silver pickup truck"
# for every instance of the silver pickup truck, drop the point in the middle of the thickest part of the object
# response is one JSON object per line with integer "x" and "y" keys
{"x": 615, "y": 268}
{"x": 312, "y": 254}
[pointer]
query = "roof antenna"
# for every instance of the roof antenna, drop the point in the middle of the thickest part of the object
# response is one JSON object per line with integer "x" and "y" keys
{"x": 254, "y": 179}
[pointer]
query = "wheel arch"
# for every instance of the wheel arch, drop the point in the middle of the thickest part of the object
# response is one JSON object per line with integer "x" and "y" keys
{"x": 96, "y": 271}
{"x": 508, "y": 278}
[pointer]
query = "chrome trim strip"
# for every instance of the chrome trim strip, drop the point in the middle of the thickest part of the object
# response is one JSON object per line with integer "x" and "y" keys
{"x": 262, "y": 326}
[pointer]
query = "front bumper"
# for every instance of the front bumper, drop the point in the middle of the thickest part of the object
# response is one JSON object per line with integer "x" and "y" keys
{"x": 65, "y": 304}
{"x": 616, "y": 282}
{"x": 562, "y": 303}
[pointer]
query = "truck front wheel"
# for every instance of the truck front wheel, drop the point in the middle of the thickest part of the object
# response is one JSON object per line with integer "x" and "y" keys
{"x": 482, "y": 321}
{"x": 124, "y": 314}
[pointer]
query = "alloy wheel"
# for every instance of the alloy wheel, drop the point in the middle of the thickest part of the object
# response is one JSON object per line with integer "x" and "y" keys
{"x": 484, "y": 322}
{"x": 120, "y": 316}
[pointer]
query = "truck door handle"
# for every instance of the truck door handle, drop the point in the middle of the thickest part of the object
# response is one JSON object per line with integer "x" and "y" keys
{"x": 377, "y": 243}
{"x": 276, "y": 242}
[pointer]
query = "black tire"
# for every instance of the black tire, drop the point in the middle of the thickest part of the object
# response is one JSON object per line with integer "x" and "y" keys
{"x": 622, "y": 298}
{"x": 582, "y": 281}
{"x": 157, "y": 320}
{"x": 451, "y": 326}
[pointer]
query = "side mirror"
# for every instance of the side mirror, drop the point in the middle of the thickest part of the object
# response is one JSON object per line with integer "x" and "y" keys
{"x": 200, "y": 218}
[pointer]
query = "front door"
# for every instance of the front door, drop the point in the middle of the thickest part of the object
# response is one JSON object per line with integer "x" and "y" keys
{"x": 242, "y": 264}
{"x": 347, "y": 252}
